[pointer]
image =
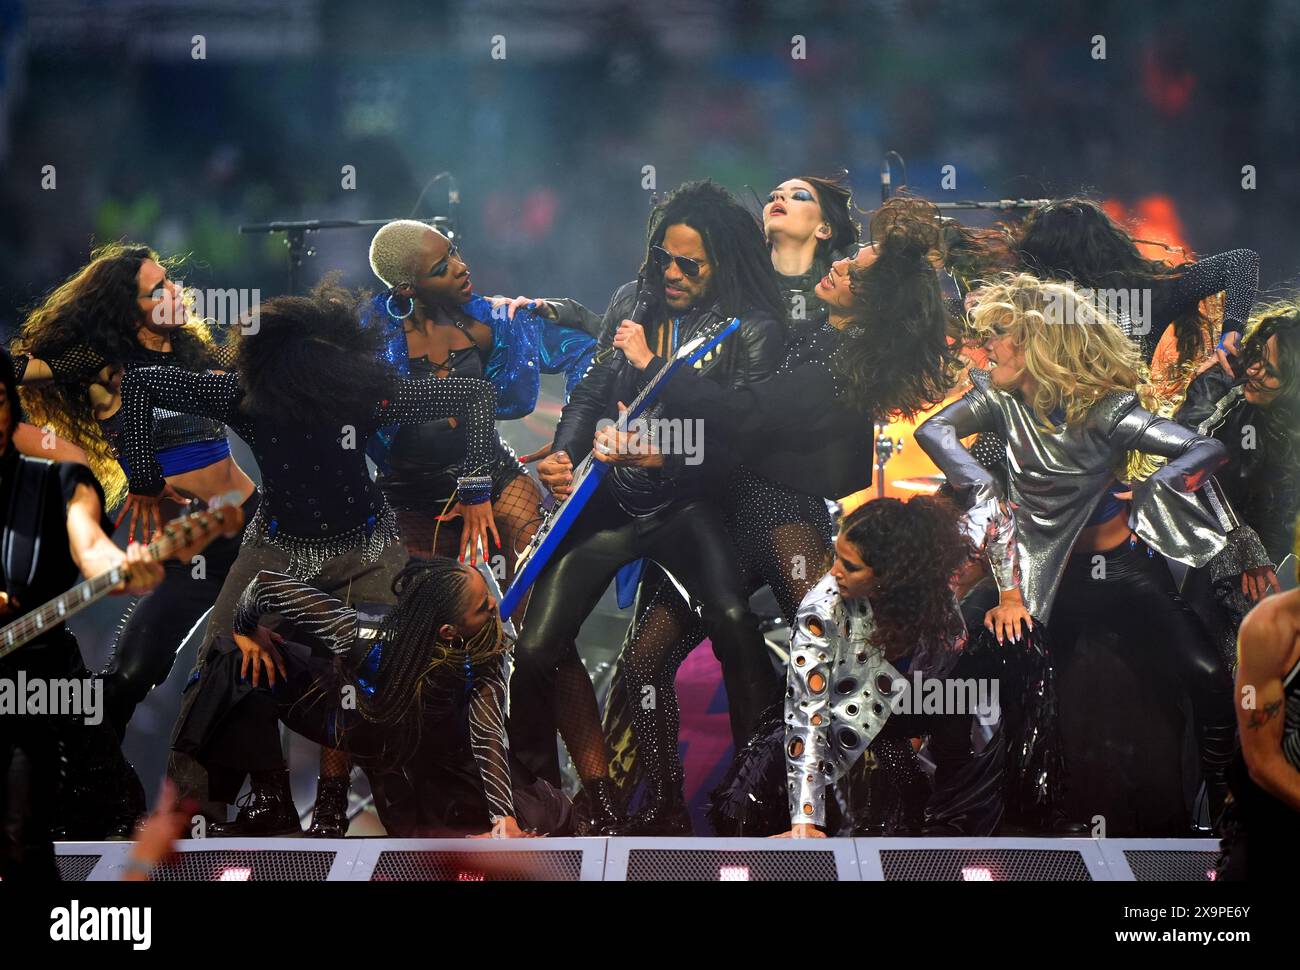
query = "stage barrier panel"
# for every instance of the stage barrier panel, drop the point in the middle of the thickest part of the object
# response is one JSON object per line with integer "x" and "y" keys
{"x": 657, "y": 860}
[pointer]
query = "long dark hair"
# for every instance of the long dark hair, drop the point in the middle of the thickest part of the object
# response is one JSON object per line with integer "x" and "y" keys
{"x": 310, "y": 359}
{"x": 897, "y": 360}
{"x": 1073, "y": 239}
{"x": 914, "y": 548}
{"x": 97, "y": 308}
{"x": 1280, "y": 320}
{"x": 835, "y": 199}
{"x": 743, "y": 278}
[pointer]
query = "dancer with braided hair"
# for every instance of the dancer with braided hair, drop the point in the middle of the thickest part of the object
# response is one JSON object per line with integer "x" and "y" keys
{"x": 802, "y": 437}
{"x": 415, "y": 695}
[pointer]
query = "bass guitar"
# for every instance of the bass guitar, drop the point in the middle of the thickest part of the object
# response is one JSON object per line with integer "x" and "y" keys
{"x": 180, "y": 538}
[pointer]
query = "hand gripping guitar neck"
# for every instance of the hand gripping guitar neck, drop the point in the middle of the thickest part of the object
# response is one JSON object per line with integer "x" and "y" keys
{"x": 590, "y": 473}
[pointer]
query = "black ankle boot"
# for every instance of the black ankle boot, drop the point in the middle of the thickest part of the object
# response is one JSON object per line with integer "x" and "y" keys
{"x": 329, "y": 819}
{"x": 665, "y": 810}
{"x": 266, "y": 810}
{"x": 603, "y": 815}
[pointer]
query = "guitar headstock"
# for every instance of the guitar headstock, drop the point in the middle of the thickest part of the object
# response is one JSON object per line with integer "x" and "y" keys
{"x": 698, "y": 346}
{"x": 187, "y": 535}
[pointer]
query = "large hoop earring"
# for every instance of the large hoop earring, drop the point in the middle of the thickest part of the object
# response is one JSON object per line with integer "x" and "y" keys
{"x": 388, "y": 305}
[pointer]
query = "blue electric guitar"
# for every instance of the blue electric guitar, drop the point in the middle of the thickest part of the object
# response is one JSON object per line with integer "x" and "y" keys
{"x": 590, "y": 473}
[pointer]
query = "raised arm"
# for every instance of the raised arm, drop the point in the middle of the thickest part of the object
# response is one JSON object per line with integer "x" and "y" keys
{"x": 317, "y": 614}
{"x": 1234, "y": 273}
{"x": 205, "y": 393}
{"x": 78, "y": 363}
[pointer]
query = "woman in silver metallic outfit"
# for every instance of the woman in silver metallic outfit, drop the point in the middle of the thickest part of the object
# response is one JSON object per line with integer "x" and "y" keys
{"x": 1061, "y": 393}
{"x": 886, "y": 606}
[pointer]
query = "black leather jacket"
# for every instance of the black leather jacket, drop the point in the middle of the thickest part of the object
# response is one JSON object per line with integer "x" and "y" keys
{"x": 750, "y": 355}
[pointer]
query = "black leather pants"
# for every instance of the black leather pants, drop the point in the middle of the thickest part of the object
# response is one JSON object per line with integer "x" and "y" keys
{"x": 1134, "y": 594}
{"x": 687, "y": 539}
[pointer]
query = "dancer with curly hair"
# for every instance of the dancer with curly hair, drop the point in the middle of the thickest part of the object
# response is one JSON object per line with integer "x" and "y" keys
{"x": 886, "y": 606}
{"x": 120, "y": 311}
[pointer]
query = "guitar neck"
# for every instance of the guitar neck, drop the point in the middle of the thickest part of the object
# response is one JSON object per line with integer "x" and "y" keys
{"x": 56, "y": 611}
{"x": 650, "y": 389}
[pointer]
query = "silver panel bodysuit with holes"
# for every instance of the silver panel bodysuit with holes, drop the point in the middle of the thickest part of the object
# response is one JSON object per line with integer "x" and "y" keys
{"x": 827, "y": 730}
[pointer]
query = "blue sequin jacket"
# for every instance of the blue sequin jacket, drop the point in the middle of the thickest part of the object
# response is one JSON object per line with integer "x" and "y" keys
{"x": 523, "y": 348}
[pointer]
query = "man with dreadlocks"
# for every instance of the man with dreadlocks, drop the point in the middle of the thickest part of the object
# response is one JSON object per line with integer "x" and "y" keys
{"x": 706, "y": 262}
{"x": 411, "y": 698}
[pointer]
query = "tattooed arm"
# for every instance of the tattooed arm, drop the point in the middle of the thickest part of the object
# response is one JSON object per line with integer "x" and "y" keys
{"x": 1266, "y": 646}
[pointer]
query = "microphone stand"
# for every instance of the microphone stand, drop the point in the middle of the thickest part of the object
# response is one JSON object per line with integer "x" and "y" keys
{"x": 1001, "y": 205}
{"x": 296, "y": 235}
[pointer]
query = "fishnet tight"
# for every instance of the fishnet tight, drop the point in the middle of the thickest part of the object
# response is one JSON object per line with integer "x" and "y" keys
{"x": 790, "y": 557}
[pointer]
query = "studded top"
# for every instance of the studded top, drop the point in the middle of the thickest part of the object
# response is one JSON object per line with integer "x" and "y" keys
{"x": 1234, "y": 273}
{"x": 315, "y": 479}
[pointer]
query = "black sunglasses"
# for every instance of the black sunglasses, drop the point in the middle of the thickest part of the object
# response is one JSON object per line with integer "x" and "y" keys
{"x": 663, "y": 259}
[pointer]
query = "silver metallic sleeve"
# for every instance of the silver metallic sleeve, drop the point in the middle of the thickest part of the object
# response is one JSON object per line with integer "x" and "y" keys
{"x": 1167, "y": 511}
{"x": 841, "y": 692}
{"x": 989, "y": 521}
{"x": 805, "y": 739}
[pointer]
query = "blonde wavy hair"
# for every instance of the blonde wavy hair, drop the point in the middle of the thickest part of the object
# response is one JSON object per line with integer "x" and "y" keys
{"x": 1073, "y": 349}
